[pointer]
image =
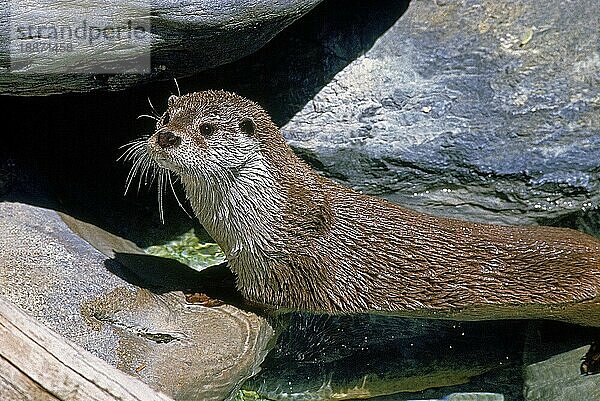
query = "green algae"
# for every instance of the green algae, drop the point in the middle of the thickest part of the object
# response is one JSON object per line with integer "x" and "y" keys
{"x": 369, "y": 386}
{"x": 189, "y": 249}
{"x": 248, "y": 395}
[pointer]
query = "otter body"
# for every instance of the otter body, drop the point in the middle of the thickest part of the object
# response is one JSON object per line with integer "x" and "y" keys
{"x": 297, "y": 240}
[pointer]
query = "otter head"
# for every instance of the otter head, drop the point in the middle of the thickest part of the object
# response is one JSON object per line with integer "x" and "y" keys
{"x": 223, "y": 147}
{"x": 208, "y": 134}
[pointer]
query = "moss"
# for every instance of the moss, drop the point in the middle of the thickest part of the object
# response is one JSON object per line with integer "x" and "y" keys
{"x": 372, "y": 385}
{"x": 190, "y": 250}
{"x": 248, "y": 395}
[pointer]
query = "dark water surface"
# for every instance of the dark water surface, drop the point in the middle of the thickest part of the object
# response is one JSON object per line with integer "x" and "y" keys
{"x": 349, "y": 357}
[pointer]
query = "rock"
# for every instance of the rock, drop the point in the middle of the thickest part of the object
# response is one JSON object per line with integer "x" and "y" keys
{"x": 184, "y": 38}
{"x": 558, "y": 378}
{"x": 186, "y": 351}
{"x": 471, "y": 397}
{"x": 482, "y": 110}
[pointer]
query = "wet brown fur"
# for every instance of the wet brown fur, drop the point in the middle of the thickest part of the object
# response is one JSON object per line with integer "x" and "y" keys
{"x": 335, "y": 250}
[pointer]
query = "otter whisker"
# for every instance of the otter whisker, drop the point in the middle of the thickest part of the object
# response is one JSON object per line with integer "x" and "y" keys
{"x": 147, "y": 171}
{"x": 133, "y": 149}
{"x": 134, "y": 142}
{"x": 137, "y": 159}
{"x": 175, "y": 194}
{"x": 161, "y": 213}
{"x": 155, "y": 118}
{"x": 131, "y": 146}
{"x": 149, "y": 174}
{"x": 141, "y": 158}
{"x": 152, "y": 107}
{"x": 128, "y": 180}
{"x": 147, "y": 164}
{"x": 177, "y": 85}
{"x": 155, "y": 171}
{"x": 130, "y": 177}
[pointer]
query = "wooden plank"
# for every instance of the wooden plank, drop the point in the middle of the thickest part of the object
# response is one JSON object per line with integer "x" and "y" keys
{"x": 38, "y": 364}
{"x": 15, "y": 386}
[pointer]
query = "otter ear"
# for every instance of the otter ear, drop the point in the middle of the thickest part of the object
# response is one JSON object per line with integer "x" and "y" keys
{"x": 171, "y": 100}
{"x": 247, "y": 126}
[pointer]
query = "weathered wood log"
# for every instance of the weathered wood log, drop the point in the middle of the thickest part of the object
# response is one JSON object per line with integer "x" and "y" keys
{"x": 38, "y": 364}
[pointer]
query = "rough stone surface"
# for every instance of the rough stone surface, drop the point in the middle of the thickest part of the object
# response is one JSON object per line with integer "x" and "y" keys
{"x": 556, "y": 379}
{"x": 186, "y": 351}
{"x": 186, "y": 37}
{"x": 480, "y": 109}
{"x": 49, "y": 272}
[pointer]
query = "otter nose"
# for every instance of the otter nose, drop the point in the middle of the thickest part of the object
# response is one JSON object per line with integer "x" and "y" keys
{"x": 167, "y": 139}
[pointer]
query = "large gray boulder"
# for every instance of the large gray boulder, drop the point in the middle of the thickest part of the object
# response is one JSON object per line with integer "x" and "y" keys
{"x": 555, "y": 379}
{"x": 180, "y": 38}
{"x": 186, "y": 351}
{"x": 483, "y": 110}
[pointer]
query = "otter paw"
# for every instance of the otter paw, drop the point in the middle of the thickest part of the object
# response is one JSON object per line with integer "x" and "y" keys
{"x": 203, "y": 299}
{"x": 590, "y": 364}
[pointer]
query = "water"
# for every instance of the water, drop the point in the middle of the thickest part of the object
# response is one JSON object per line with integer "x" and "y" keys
{"x": 319, "y": 357}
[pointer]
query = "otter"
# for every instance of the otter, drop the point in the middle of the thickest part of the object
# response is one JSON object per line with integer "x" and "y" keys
{"x": 299, "y": 241}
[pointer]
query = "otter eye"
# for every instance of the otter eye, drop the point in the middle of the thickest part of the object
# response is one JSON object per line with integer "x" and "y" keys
{"x": 207, "y": 129}
{"x": 166, "y": 118}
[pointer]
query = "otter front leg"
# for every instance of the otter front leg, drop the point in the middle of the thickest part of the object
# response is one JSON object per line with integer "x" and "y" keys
{"x": 203, "y": 299}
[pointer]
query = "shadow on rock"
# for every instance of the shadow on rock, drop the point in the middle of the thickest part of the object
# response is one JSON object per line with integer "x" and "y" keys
{"x": 162, "y": 275}
{"x": 291, "y": 69}
{"x": 64, "y": 159}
